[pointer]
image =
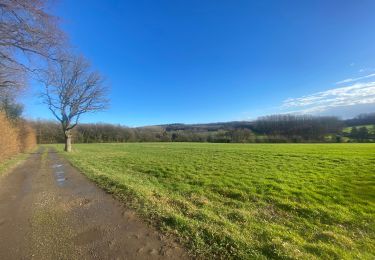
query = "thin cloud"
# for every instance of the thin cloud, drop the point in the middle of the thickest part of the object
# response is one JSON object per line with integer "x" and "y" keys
{"x": 355, "y": 79}
{"x": 356, "y": 94}
{"x": 366, "y": 70}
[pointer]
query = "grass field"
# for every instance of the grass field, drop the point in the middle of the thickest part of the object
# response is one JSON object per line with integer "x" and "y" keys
{"x": 288, "y": 201}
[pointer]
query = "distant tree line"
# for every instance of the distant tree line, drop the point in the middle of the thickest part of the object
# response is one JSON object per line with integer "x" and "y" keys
{"x": 362, "y": 134}
{"x": 362, "y": 128}
{"x": 275, "y": 128}
{"x": 362, "y": 119}
{"x": 298, "y": 128}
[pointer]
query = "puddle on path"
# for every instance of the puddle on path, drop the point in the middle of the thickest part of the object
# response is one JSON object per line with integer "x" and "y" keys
{"x": 59, "y": 174}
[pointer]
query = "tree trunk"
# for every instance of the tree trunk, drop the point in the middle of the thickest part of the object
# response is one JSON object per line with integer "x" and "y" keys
{"x": 68, "y": 141}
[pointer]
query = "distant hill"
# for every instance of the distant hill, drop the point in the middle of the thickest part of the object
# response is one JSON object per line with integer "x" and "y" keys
{"x": 362, "y": 119}
{"x": 209, "y": 126}
{"x": 273, "y": 128}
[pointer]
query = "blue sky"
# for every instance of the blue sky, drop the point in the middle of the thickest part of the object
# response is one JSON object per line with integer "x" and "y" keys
{"x": 207, "y": 61}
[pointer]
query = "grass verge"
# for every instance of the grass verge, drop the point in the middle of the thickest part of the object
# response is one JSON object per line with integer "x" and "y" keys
{"x": 9, "y": 164}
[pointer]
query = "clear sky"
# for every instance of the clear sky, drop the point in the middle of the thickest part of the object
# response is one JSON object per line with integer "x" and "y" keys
{"x": 197, "y": 61}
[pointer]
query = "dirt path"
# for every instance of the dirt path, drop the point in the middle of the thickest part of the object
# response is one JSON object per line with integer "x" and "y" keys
{"x": 48, "y": 210}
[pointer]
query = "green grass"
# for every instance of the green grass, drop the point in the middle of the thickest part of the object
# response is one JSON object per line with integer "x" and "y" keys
{"x": 257, "y": 201}
{"x": 9, "y": 164}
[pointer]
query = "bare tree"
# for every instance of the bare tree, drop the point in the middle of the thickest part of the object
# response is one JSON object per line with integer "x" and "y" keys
{"x": 26, "y": 30}
{"x": 73, "y": 89}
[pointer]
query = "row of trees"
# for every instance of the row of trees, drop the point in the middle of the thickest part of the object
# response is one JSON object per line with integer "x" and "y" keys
{"x": 305, "y": 127}
{"x": 362, "y": 134}
{"x": 278, "y": 128}
{"x": 49, "y": 132}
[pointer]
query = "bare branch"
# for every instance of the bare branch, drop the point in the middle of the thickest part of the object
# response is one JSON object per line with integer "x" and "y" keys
{"x": 73, "y": 89}
{"x": 26, "y": 31}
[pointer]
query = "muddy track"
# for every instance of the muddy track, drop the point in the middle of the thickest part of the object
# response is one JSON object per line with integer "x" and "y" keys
{"x": 48, "y": 210}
